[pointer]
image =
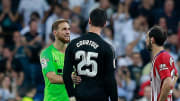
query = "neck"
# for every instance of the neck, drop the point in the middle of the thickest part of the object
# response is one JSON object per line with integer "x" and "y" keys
{"x": 156, "y": 49}
{"x": 59, "y": 45}
{"x": 94, "y": 29}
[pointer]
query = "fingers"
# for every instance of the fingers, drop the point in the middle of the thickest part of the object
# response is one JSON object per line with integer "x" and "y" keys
{"x": 76, "y": 79}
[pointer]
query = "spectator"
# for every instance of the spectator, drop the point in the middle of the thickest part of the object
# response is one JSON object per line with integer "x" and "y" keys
{"x": 20, "y": 49}
{"x": 126, "y": 85}
{"x": 75, "y": 30}
{"x": 86, "y": 7}
{"x": 34, "y": 43}
{"x": 55, "y": 15}
{"x": 30, "y": 93}
{"x": 65, "y": 3}
{"x": 120, "y": 19}
{"x": 8, "y": 90}
{"x": 136, "y": 68}
{"x": 172, "y": 45}
{"x": 146, "y": 9}
{"x": 35, "y": 16}
{"x": 163, "y": 23}
{"x": 26, "y": 8}
{"x": 170, "y": 15}
{"x": 134, "y": 34}
{"x": 104, "y": 4}
{"x": 21, "y": 53}
{"x": 12, "y": 67}
{"x": 66, "y": 13}
{"x": 127, "y": 4}
{"x": 9, "y": 63}
{"x": 75, "y": 5}
{"x": 147, "y": 94}
{"x": 8, "y": 17}
{"x": 108, "y": 35}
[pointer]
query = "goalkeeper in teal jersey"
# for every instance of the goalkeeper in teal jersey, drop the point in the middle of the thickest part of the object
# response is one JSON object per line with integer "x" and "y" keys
{"x": 52, "y": 62}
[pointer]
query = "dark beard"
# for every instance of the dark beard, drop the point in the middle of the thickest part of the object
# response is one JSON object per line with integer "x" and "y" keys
{"x": 63, "y": 40}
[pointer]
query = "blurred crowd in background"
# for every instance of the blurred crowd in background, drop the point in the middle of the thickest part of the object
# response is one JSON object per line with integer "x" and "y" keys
{"x": 25, "y": 29}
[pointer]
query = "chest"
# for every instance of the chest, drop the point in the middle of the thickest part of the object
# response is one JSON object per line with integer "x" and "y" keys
{"x": 58, "y": 61}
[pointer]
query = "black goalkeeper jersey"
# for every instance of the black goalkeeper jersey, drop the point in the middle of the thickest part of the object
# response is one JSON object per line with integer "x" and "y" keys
{"x": 93, "y": 60}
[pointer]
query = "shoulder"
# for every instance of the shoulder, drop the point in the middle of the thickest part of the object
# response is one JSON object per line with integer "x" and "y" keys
{"x": 107, "y": 46}
{"x": 164, "y": 56}
{"x": 74, "y": 41}
{"x": 45, "y": 51}
{"x": 166, "y": 59}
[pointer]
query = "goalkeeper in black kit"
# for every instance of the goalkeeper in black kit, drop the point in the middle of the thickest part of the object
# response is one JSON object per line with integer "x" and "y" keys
{"x": 93, "y": 60}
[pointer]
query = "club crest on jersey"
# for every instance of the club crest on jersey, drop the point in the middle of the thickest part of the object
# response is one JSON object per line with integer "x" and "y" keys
{"x": 43, "y": 62}
{"x": 162, "y": 67}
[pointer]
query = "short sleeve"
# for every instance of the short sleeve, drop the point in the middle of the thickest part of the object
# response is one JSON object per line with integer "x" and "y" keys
{"x": 164, "y": 66}
{"x": 46, "y": 62}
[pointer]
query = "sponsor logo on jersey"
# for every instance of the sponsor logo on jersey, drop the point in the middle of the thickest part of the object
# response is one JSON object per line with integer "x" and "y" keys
{"x": 162, "y": 67}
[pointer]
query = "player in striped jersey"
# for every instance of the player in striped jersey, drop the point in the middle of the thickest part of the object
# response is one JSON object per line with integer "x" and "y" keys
{"x": 164, "y": 73}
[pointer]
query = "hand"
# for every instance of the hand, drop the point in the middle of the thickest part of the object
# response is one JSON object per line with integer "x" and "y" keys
{"x": 37, "y": 39}
{"x": 76, "y": 79}
{"x": 72, "y": 99}
{"x": 23, "y": 41}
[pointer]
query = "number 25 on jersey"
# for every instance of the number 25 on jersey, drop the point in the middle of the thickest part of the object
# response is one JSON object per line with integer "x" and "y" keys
{"x": 86, "y": 61}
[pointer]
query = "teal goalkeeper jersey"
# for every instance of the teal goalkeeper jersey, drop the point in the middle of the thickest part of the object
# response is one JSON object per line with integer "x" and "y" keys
{"x": 52, "y": 60}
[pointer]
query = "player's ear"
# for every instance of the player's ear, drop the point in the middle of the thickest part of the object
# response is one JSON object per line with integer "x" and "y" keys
{"x": 152, "y": 40}
{"x": 54, "y": 32}
{"x": 89, "y": 21}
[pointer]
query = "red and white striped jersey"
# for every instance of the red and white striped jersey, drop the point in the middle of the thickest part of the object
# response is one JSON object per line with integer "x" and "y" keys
{"x": 162, "y": 67}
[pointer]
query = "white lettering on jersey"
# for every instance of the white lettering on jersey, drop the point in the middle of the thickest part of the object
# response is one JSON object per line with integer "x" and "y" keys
{"x": 162, "y": 67}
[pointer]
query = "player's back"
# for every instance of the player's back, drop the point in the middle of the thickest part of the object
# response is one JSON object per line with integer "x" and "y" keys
{"x": 89, "y": 55}
{"x": 163, "y": 67}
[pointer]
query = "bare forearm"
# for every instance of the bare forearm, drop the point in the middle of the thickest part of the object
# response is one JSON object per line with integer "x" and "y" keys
{"x": 55, "y": 79}
{"x": 164, "y": 94}
{"x": 134, "y": 43}
{"x": 2, "y": 16}
{"x": 166, "y": 87}
{"x": 12, "y": 17}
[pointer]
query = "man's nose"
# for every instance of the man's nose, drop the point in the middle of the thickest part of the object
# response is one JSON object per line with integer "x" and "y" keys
{"x": 68, "y": 31}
